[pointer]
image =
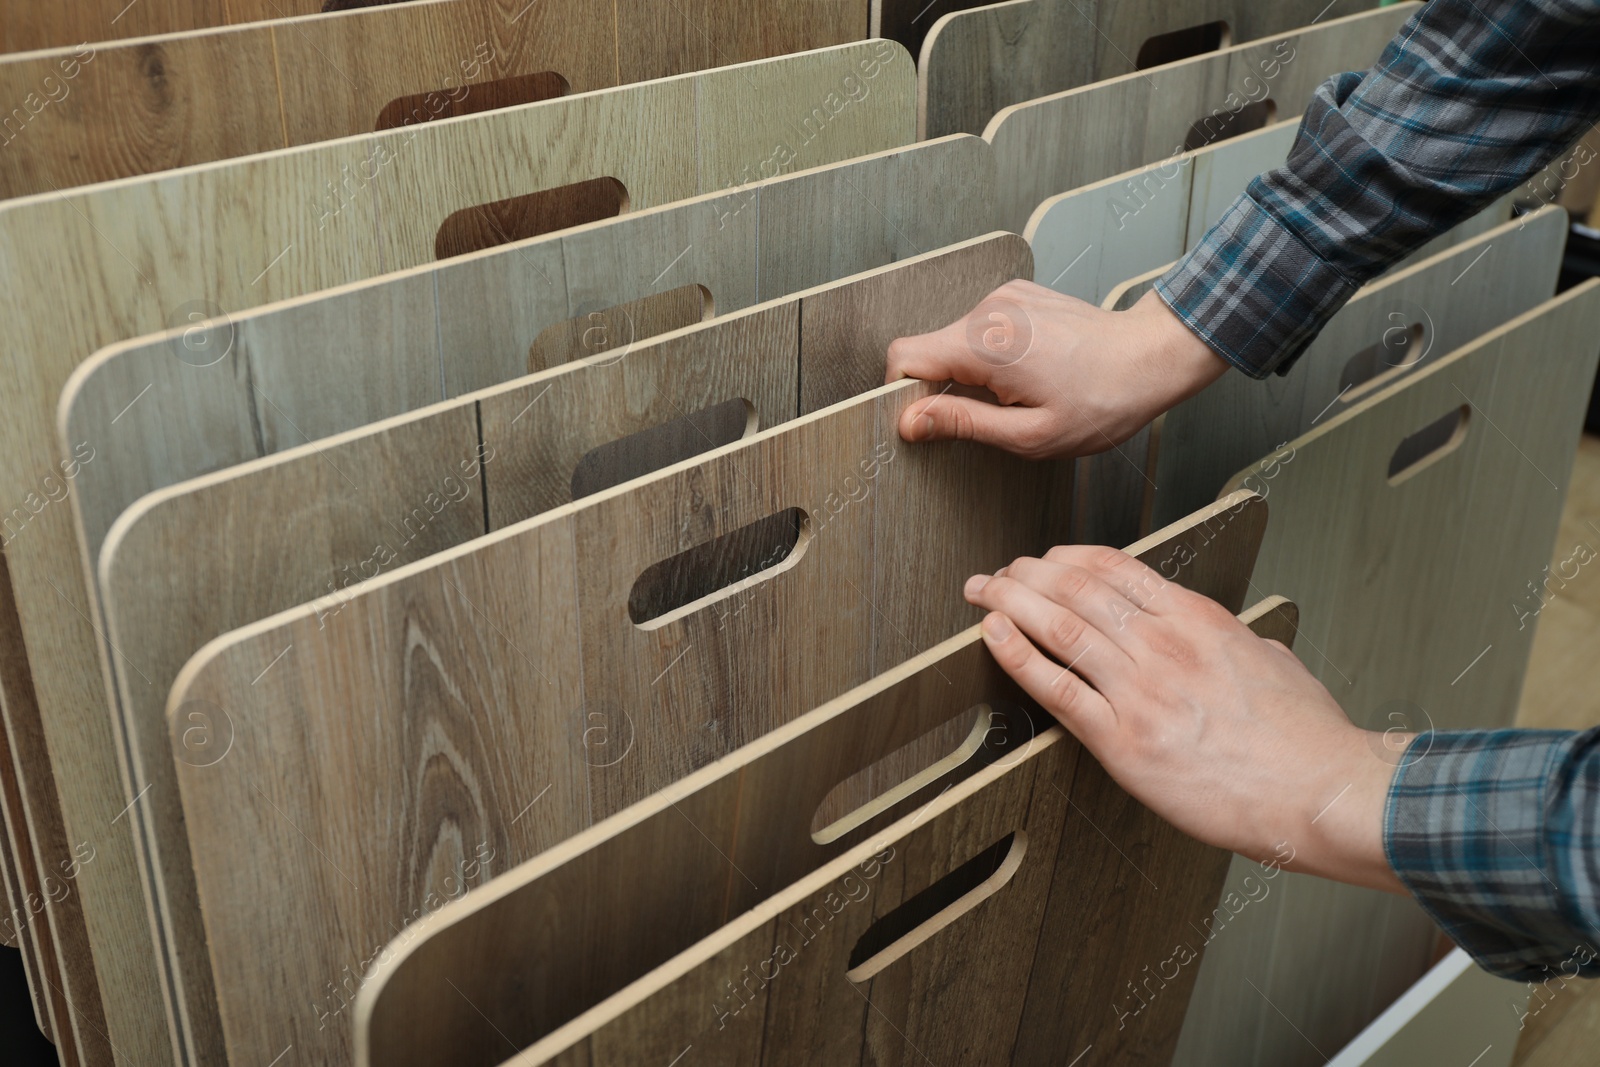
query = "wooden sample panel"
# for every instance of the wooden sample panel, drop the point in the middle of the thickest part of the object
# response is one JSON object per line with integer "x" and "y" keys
{"x": 324, "y": 364}
{"x": 1409, "y": 593}
{"x": 53, "y": 914}
{"x": 1450, "y": 299}
{"x": 1089, "y": 237}
{"x": 617, "y": 976}
{"x": 1093, "y": 237}
{"x": 910, "y": 21}
{"x": 26, "y": 26}
{"x": 517, "y": 653}
{"x": 1050, "y": 144}
{"x": 95, "y": 112}
{"x": 1455, "y": 1012}
{"x": 980, "y": 61}
{"x": 378, "y": 498}
{"x": 86, "y": 268}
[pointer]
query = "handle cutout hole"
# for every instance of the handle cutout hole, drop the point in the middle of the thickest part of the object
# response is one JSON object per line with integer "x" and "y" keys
{"x": 617, "y": 328}
{"x": 719, "y": 569}
{"x": 937, "y": 906}
{"x": 1182, "y": 44}
{"x": 1429, "y": 445}
{"x": 661, "y": 446}
{"x": 356, "y": 5}
{"x": 518, "y": 218}
{"x": 1400, "y": 349}
{"x": 471, "y": 99}
{"x": 953, "y": 750}
{"x": 1224, "y": 125}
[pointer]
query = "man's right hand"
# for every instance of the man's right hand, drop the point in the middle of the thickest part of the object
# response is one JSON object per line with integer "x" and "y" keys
{"x": 1072, "y": 379}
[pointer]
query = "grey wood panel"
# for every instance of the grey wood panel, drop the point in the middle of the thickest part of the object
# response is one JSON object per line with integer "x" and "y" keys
{"x": 1053, "y": 143}
{"x": 979, "y": 61}
{"x": 1407, "y": 593}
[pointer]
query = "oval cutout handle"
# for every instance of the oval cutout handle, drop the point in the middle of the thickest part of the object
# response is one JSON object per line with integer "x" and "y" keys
{"x": 937, "y": 907}
{"x": 1429, "y": 445}
{"x": 517, "y": 218}
{"x": 719, "y": 569}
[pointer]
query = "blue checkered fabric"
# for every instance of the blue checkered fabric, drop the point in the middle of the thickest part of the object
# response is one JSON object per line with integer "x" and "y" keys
{"x": 1469, "y": 100}
{"x": 1497, "y": 833}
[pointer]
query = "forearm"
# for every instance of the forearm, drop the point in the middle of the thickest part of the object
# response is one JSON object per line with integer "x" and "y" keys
{"x": 1470, "y": 99}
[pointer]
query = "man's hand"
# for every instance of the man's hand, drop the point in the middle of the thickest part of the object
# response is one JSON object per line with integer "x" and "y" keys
{"x": 1073, "y": 379}
{"x": 1223, "y": 734}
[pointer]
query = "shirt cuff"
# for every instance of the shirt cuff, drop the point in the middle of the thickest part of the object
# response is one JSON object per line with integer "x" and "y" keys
{"x": 1491, "y": 831}
{"x": 1253, "y": 291}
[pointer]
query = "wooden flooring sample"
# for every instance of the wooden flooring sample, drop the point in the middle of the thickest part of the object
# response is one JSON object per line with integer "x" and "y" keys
{"x": 1058, "y": 142}
{"x": 1390, "y": 328}
{"x": 1409, "y": 592}
{"x": 114, "y": 109}
{"x": 619, "y": 977}
{"x": 53, "y": 907}
{"x": 984, "y": 59}
{"x": 505, "y": 679}
{"x": 378, "y": 498}
{"x": 276, "y": 377}
{"x": 89, "y": 267}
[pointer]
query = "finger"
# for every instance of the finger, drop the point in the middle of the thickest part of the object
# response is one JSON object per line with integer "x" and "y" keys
{"x": 1133, "y": 579}
{"x": 1079, "y": 589}
{"x": 1060, "y": 692}
{"x": 1020, "y": 430}
{"x": 1058, "y": 630}
{"x": 944, "y": 355}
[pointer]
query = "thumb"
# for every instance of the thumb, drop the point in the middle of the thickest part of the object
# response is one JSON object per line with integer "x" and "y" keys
{"x": 1020, "y": 430}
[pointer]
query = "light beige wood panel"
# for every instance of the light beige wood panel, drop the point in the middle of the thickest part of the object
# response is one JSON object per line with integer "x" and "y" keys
{"x": 675, "y": 695}
{"x": 376, "y": 499}
{"x": 112, "y": 262}
{"x": 95, "y": 112}
{"x": 608, "y": 977}
{"x": 190, "y": 401}
{"x": 1407, "y": 594}
{"x": 979, "y": 61}
{"x": 1058, "y": 142}
{"x": 53, "y": 906}
{"x": 658, "y": 38}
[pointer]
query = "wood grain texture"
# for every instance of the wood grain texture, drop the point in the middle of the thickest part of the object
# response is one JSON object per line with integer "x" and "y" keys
{"x": 273, "y": 378}
{"x": 53, "y": 908}
{"x": 618, "y": 982}
{"x": 100, "y": 265}
{"x": 909, "y": 21}
{"x": 1057, "y": 142}
{"x": 674, "y": 696}
{"x": 375, "y": 499}
{"x": 1396, "y": 602}
{"x": 980, "y": 61}
{"x": 91, "y": 113}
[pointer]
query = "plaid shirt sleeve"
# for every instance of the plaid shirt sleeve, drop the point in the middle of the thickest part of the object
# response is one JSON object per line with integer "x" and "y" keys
{"x": 1497, "y": 833}
{"x": 1469, "y": 100}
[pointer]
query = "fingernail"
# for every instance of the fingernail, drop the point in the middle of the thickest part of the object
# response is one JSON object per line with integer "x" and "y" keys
{"x": 1001, "y": 573}
{"x": 922, "y": 428}
{"x": 998, "y": 628}
{"x": 975, "y": 584}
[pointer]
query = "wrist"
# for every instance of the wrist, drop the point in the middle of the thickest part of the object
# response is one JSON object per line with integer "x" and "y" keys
{"x": 1177, "y": 353}
{"x": 1336, "y": 828}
